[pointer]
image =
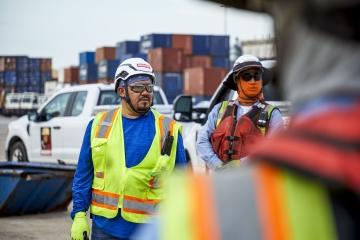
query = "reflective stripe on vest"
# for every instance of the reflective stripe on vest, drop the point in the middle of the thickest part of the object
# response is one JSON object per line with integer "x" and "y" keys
{"x": 268, "y": 203}
{"x": 105, "y": 124}
{"x": 166, "y": 125}
{"x": 140, "y": 206}
{"x": 104, "y": 199}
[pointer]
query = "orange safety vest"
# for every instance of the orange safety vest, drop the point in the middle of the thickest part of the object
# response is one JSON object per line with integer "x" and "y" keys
{"x": 327, "y": 145}
{"x": 232, "y": 138}
{"x": 305, "y": 185}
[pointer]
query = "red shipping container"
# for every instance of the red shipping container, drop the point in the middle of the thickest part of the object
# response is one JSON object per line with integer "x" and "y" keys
{"x": 71, "y": 75}
{"x": 183, "y": 42}
{"x": 7, "y": 64}
{"x": 105, "y": 53}
{"x": 45, "y": 64}
{"x": 203, "y": 81}
{"x": 198, "y": 61}
{"x": 166, "y": 59}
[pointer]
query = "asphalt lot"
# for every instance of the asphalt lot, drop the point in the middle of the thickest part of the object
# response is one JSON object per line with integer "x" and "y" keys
{"x": 55, "y": 226}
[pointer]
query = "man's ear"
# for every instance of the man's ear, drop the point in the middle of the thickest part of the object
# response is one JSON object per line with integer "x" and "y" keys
{"x": 121, "y": 92}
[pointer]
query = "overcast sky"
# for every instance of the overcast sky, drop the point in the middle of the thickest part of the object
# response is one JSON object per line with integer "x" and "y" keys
{"x": 60, "y": 29}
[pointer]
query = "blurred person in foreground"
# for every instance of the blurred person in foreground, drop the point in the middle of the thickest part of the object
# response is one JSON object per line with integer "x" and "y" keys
{"x": 303, "y": 183}
{"x": 233, "y": 127}
{"x": 125, "y": 154}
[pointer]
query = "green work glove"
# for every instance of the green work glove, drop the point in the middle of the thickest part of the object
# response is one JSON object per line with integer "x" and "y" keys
{"x": 80, "y": 227}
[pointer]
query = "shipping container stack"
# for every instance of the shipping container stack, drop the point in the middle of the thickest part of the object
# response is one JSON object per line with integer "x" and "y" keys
{"x": 105, "y": 57}
{"x": 88, "y": 69}
{"x": 71, "y": 75}
{"x": 187, "y": 64}
{"x": 23, "y": 74}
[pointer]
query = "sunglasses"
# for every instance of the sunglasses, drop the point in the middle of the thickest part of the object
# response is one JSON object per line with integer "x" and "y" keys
{"x": 140, "y": 88}
{"x": 249, "y": 76}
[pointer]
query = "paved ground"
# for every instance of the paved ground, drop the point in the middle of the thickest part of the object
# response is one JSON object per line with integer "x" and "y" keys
{"x": 55, "y": 226}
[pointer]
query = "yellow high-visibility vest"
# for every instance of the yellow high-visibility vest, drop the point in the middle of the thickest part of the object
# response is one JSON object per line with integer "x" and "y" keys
{"x": 136, "y": 190}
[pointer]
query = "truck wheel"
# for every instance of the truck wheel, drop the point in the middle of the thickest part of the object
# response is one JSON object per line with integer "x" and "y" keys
{"x": 18, "y": 153}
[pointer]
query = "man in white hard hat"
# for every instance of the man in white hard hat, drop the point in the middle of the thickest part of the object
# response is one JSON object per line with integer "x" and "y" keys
{"x": 125, "y": 154}
{"x": 233, "y": 126}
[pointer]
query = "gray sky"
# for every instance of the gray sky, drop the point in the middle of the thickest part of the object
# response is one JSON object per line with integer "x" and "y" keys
{"x": 60, "y": 29}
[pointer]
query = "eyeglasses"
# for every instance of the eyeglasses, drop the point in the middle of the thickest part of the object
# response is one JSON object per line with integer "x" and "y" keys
{"x": 249, "y": 76}
{"x": 140, "y": 88}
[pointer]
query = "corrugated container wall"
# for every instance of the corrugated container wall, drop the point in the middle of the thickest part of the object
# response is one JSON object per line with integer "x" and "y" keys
{"x": 86, "y": 58}
{"x": 221, "y": 61}
{"x": 71, "y": 75}
{"x": 127, "y": 47}
{"x": 202, "y": 81}
{"x": 34, "y": 64}
{"x": 219, "y": 45}
{"x": 197, "y": 61}
{"x": 166, "y": 59}
{"x": 8, "y": 64}
{"x": 201, "y": 44}
{"x": 45, "y": 65}
{"x": 2, "y": 79}
{"x": 107, "y": 69}
{"x": 22, "y": 63}
{"x": 171, "y": 83}
{"x": 88, "y": 73}
{"x": 152, "y": 41}
{"x": 134, "y": 55}
{"x": 183, "y": 42}
{"x": 105, "y": 53}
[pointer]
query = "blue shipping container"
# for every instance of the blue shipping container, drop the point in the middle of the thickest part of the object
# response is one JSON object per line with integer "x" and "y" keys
{"x": 221, "y": 61}
{"x": 88, "y": 73}
{"x": 86, "y": 58}
{"x": 45, "y": 76}
{"x": 219, "y": 45}
{"x": 126, "y": 47}
{"x": 10, "y": 78}
{"x": 151, "y": 41}
{"x": 201, "y": 44}
{"x": 107, "y": 69}
{"x": 34, "y": 78}
{"x": 22, "y": 78}
{"x": 28, "y": 188}
{"x": 171, "y": 83}
{"x": 2, "y": 79}
{"x": 22, "y": 64}
{"x": 138, "y": 55}
{"x": 34, "y": 64}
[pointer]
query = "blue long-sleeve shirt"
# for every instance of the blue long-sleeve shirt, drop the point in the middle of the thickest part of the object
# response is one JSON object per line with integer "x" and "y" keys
{"x": 203, "y": 145}
{"x": 135, "y": 149}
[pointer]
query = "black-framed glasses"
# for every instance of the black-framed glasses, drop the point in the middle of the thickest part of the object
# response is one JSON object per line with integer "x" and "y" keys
{"x": 249, "y": 76}
{"x": 140, "y": 88}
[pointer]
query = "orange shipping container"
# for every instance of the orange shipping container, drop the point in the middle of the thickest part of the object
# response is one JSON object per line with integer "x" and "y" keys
{"x": 166, "y": 59}
{"x": 197, "y": 61}
{"x": 45, "y": 64}
{"x": 183, "y": 42}
{"x": 105, "y": 53}
{"x": 71, "y": 75}
{"x": 202, "y": 81}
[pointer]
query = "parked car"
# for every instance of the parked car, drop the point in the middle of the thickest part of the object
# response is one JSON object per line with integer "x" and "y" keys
{"x": 192, "y": 117}
{"x": 55, "y": 131}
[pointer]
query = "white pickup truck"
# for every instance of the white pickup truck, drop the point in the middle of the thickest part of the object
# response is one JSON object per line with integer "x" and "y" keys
{"x": 192, "y": 117}
{"x": 54, "y": 133}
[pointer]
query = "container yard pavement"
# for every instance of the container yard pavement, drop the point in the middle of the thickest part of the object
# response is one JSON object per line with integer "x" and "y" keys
{"x": 55, "y": 226}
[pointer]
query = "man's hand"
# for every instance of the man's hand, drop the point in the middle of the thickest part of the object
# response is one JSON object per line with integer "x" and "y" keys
{"x": 80, "y": 227}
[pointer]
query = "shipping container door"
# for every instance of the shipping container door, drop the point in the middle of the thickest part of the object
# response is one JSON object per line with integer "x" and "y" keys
{"x": 46, "y": 134}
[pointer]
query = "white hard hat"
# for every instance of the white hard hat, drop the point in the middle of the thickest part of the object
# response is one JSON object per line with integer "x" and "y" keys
{"x": 132, "y": 67}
